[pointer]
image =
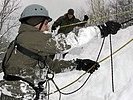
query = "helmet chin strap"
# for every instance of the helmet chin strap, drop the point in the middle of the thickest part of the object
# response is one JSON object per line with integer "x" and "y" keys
{"x": 41, "y": 25}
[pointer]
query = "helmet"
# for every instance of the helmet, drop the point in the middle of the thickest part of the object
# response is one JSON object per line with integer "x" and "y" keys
{"x": 34, "y": 10}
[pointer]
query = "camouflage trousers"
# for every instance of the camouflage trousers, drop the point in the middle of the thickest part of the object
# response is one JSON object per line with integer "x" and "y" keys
{"x": 20, "y": 90}
{"x": 16, "y": 90}
{"x": 6, "y": 97}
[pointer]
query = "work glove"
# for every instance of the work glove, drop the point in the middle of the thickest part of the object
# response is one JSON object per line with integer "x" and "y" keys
{"x": 109, "y": 27}
{"x": 87, "y": 65}
{"x": 53, "y": 28}
{"x": 85, "y": 18}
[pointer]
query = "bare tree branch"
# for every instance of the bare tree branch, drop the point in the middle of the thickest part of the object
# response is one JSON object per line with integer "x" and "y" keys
{"x": 8, "y": 28}
{"x": 8, "y": 10}
{"x": 8, "y": 7}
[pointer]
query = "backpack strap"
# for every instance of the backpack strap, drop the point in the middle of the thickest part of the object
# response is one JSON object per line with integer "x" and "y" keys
{"x": 29, "y": 53}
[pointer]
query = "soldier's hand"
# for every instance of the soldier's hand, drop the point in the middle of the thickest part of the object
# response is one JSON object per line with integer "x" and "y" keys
{"x": 85, "y": 18}
{"x": 110, "y": 27}
{"x": 87, "y": 65}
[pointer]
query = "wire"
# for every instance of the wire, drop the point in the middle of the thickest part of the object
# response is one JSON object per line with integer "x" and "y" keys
{"x": 112, "y": 72}
{"x": 85, "y": 80}
{"x": 48, "y": 84}
{"x": 100, "y": 49}
{"x": 76, "y": 89}
{"x": 127, "y": 43}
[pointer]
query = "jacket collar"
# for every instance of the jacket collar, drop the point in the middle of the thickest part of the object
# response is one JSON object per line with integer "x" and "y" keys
{"x": 27, "y": 28}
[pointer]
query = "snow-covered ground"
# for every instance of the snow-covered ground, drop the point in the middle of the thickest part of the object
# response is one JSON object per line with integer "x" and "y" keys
{"x": 99, "y": 86}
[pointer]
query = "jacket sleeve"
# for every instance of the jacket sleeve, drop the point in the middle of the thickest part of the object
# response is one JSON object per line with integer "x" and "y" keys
{"x": 84, "y": 35}
{"x": 57, "y": 22}
{"x": 60, "y": 65}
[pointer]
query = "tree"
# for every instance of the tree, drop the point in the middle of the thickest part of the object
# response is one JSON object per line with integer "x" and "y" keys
{"x": 97, "y": 11}
{"x": 8, "y": 7}
{"x": 8, "y": 21}
{"x": 100, "y": 11}
{"x": 122, "y": 9}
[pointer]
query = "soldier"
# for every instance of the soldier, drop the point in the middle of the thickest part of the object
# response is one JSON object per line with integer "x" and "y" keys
{"x": 34, "y": 48}
{"x": 65, "y": 22}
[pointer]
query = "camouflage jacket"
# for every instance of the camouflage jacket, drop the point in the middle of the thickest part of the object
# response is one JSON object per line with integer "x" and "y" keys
{"x": 32, "y": 39}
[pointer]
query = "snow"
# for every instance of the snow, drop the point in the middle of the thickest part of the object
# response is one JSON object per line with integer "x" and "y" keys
{"x": 84, "y": 35}
{"x": 99, "y": 85}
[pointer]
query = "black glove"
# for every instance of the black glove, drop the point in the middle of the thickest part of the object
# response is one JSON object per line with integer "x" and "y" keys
{"x": 109, "y": 27}
{"x": 87, "y": 64}
{"x": 85, "y": 18}
{"x": 53, "y": 28}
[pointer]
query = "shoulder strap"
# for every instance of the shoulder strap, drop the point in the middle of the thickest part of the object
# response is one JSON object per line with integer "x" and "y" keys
{"x": 29, "y": 53}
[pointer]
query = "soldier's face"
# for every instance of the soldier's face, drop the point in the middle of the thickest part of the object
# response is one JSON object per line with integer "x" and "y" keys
{"x": 45, "y": 26}
{"x": 70, "y": 16}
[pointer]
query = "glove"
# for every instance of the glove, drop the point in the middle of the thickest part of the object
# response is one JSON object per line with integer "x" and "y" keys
{"x": 85, "y": 18}
{"x": 109, "y": 27}
{"x": 53, "y": 28}
{"x": 87, "y": 64}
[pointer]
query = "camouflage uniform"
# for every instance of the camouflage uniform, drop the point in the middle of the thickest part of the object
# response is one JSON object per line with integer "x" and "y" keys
{"x": 26, "y": 67}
